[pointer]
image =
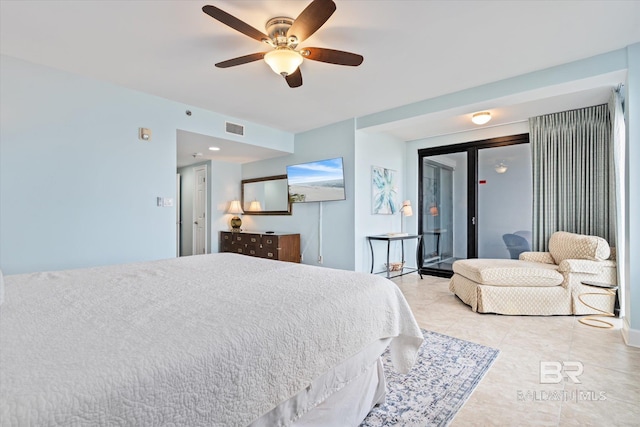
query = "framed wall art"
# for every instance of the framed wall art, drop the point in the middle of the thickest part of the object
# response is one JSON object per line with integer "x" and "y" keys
{"x": 384, "y": 187}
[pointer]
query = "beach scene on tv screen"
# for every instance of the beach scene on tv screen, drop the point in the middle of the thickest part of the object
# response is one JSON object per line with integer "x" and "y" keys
{"x": 316, "y": 181}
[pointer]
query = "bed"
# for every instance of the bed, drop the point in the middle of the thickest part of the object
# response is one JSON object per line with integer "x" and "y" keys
{"x": 216, "y": 340}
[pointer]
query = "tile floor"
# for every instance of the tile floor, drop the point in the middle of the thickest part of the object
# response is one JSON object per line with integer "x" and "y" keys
{"x": 511, "y": 393}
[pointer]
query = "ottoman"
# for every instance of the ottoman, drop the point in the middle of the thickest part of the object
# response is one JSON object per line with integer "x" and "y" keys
{"x": 509, "y": 286}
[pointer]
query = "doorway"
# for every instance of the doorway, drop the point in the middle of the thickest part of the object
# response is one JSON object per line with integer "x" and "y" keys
{"x": 200, "y": 211}
{"x": 194, "y": 209}
{"x": 471, "y": 196}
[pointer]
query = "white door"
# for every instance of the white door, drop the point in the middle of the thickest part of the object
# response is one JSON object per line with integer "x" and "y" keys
{"x": 178, "y": 218}
{"x": 200, "y": 211}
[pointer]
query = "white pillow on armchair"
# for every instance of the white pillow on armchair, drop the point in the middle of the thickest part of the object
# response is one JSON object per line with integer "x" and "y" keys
{"x": 563, "y": 245}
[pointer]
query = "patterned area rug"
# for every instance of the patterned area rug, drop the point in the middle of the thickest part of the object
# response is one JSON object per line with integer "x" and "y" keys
{"x": 446, "y": 373}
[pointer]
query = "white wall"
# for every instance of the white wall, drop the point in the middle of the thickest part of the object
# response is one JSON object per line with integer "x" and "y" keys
{"x": 331, "y": 141}
{"x": 388, "y": 152}
{"x": 77, "y": 187}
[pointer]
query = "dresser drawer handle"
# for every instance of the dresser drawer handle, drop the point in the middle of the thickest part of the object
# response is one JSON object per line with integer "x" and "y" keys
{"x": 252, "y": 252}
{"x": 253, "y": 239}
{"x": 270, "y": 254}
{"x": 269, "y": 241}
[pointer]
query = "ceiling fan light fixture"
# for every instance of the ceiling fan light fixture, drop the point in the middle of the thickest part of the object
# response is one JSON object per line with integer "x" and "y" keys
{"x": 283, "y": 61}
{"x": 481, "y": 117}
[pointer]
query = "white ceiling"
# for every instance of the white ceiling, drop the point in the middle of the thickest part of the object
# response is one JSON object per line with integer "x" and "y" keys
{"x": 414, "y": 50}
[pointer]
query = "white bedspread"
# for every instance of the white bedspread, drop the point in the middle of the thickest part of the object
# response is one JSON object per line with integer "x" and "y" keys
{"x": 205, "y": 340}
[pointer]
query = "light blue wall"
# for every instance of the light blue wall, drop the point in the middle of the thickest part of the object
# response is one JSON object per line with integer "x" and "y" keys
{"x": 337, "y": 140}
{"x": 346, "y": 223}
{"x": 377, "y": 150}
{"x": 77, "y": 187}
{"x": 225, "y": 187}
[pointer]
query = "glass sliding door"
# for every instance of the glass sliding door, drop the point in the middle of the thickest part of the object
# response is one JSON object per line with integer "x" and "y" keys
{"x": 444, "y": 210}
{"x": 475, "y": 201}
{"x": 505, "y": 188}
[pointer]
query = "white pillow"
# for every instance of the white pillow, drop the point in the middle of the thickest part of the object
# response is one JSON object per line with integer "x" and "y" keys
{"x": 563, "y": 245}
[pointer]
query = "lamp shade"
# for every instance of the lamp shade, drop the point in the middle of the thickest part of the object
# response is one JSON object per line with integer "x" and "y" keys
{"x": 406, "y": 208}
{"x": 255, "y": 206}
{"x": 235, "y": 208}
{"x": 283, "y": 61}
{"x": 481, "y": 117}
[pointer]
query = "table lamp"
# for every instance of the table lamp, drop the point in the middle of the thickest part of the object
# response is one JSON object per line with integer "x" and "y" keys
{"x": 405, "y": 210}
{"x": 235, "y": 209}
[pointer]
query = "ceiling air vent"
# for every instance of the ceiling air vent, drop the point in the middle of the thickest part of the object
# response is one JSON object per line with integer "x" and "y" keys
{"x": 234, "y": 128}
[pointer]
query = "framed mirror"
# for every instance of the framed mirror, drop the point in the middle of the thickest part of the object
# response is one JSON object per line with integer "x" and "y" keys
{"x": 266, "y": 196}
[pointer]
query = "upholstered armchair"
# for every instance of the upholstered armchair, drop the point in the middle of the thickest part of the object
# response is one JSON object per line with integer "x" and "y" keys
{"x": 581, "y": 258}
{"x": 540, "y": 283}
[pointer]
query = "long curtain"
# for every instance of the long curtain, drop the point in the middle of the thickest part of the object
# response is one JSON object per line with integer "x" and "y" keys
{"x": 618, "y": 135}
{"x": 572, "y": 174}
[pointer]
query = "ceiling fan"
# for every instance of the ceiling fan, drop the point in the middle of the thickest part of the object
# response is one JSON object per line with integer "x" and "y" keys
{"x": 283, "y": 35}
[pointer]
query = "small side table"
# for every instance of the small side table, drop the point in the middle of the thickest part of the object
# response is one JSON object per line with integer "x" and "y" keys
{"x": 395, "y": 237}
{"x": 594, "y": 319}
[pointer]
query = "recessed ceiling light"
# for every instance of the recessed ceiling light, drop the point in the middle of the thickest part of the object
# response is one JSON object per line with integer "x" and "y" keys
{"x": 214, "y": 148}
{"x": 481, "y": 117}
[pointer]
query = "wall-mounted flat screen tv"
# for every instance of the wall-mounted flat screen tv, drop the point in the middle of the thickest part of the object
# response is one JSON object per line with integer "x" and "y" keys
{"x": 319, "y": 181}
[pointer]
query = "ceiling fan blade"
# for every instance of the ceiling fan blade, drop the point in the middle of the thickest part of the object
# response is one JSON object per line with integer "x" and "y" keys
{"x": 234, "y": 23}
{"x": 331, "y": 56}
{"x": 295, "y": 79}
{"x": 241, "y": 60}
{"x": 311, "y": 18}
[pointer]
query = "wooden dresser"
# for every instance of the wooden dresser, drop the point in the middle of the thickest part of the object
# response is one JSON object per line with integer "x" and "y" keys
{"x": 280, "y": 246}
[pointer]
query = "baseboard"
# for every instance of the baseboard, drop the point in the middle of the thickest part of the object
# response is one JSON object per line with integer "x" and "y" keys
{"x": 631, "y": 336}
